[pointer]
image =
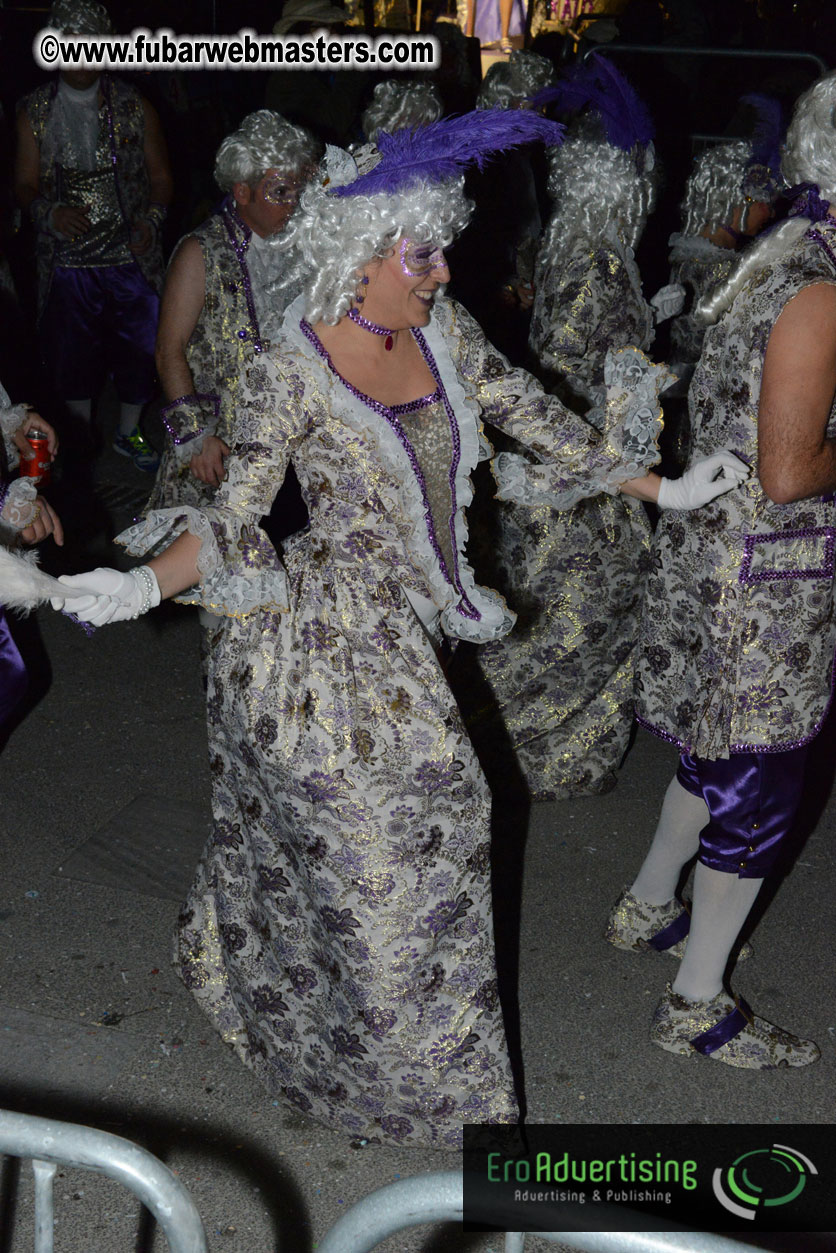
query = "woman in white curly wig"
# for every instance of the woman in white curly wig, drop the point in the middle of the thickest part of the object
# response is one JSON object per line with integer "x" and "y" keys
{"x": 727, "y": 201}
{"x": 739, "y": 635}
{"x": 399, "y": 105}
{"x": 494, "y": 260}
{"x": 563, "y": 681}
{"x": 339, "y": 930}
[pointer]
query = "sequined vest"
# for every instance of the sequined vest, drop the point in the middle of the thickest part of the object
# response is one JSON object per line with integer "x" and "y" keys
{"x": 121, "y": 140}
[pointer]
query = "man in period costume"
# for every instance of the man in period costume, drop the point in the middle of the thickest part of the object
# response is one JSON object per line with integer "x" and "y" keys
{"x": 217, "y": 312}
{"x": 92, "y": 170}
{"x": 736, "y": 659}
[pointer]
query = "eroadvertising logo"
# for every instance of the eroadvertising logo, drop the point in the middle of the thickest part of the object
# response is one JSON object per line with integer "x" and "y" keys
{"x": 640, "y": 1177}
{"x": 762, "y": 1178}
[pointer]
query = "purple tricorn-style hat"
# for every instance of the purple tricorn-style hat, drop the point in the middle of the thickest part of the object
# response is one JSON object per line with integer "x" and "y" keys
{"x": 437, "y": 152}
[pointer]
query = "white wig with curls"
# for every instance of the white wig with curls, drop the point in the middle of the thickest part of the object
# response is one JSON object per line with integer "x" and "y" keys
{"x": 809, "y": 156}
{"x": 264, "y": 141}
{"x": 80, "y": 17}
{"x": 595, "y": 186}
{"x": 507, "y": 83}
{"x": 331, "y": 239}
{"x": 397, "y": 105}
{"x": 715, "y": 187}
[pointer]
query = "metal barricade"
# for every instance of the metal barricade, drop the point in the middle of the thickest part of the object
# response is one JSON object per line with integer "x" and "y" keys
{"x": 711, "y": 54}
{"x": 50, "y": 1144}
{"x": 439, "y": 1198}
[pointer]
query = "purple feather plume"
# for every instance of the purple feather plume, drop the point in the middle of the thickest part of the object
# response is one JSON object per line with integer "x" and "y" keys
{"x": 597, "y": 85}
{"x": 443, "y": 150}
{"x": 768, "y": 130}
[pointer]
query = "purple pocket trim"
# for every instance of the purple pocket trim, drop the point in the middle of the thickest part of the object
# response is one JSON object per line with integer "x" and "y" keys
{"x": 723, "y": 1031}
{"x": 770, "y": 576}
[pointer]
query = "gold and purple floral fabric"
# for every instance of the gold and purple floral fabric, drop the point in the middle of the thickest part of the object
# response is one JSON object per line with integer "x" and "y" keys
{"x": 339, "y": 931}
{"x": 739, "y": 635}
{"x": 563, "y": 680}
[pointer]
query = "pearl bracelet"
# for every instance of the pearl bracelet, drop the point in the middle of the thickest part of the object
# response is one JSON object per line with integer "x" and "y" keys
{"x": 148, "y": 586}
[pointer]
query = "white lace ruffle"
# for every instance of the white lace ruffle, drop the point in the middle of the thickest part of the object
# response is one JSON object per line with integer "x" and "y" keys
{"x": 183, "y": 453}
{"x": 685, "y": 247}
{"x": 224, "y": 589}
{"x": 495, "y": 619}
{"x": 20, "y": 508}
{"x": 11, "y": 417}
{"x": 628, "y": 409}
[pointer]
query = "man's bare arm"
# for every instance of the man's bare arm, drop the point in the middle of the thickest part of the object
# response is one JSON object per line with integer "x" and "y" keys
{"x": 796, "y": 460}
{"x": 180, "y": 309}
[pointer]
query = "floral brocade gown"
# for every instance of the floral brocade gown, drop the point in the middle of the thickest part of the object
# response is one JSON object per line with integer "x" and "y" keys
{"x": 563, "y": 681}
{"x": 339, "y": 931}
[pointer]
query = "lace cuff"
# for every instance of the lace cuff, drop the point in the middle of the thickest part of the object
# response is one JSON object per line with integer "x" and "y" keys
{"x": 239, "y": 569}
{"x": 10, "y": 420}
{"x": 19, "y": 507}
{"x": 627, "y": 407}
{"x": 190, "y": 416}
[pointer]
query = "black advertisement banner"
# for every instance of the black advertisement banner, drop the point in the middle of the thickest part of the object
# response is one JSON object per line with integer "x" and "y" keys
{"x": 659, "y": 1177}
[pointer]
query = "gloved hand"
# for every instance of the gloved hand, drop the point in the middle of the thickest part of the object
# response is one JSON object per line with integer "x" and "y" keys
{"x": 668, "y": 301}
{"x": 120, "y": 596}
{"x": 706, "y": 480}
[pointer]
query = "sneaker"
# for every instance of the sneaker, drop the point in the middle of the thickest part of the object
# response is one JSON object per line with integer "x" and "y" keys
{"x": 726, "y": 1030}
{"x": 138, "y": 449}
{"x": 635, "y": 926}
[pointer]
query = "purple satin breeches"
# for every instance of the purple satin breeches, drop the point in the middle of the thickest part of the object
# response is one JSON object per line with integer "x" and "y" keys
{"x": 752, "y": 799}
{"x": 12, "y": 671}
{"x": 99, "y": 321}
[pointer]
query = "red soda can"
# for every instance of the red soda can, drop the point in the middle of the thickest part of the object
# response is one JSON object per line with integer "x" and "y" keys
{"x": 39, "y": 464}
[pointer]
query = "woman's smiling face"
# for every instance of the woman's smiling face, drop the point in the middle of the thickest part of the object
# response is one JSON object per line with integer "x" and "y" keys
{"x": 402, "y": 286}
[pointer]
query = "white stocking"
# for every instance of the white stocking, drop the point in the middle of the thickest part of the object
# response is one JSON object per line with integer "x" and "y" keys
{"x": 676, "y": 841}
{"x": 721, "y": 906}
{"x": 129, "y": 416}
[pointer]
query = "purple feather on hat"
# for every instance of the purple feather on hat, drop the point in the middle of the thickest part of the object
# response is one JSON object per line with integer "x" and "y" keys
{"x": 598, "y": 86}
{"x": 443, "y": 150}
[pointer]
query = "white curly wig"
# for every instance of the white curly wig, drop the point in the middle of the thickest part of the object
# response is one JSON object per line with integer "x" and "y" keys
{"x": 264, "y": 141}
{"x": 809, "y": 156}
{"x": 397, "y": 105}
{"x": 507, "y": 83}
{"x": 596, "y": 186}
{"x": 331, "y": 239}
{"x": 80, "y": 17}
{"x": 715, "y": 187}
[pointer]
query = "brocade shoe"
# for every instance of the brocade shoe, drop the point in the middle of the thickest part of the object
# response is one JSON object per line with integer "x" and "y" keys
{"x": 726, "y": 1030}
{"x": 138, "y": 449}
{"x": 635, "y": 926}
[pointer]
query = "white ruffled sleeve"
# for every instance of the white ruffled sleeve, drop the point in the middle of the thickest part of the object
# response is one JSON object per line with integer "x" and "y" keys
{"x": 578, "y": 457}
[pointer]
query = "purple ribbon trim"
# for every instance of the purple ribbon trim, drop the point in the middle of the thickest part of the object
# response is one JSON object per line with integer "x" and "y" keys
{"x": 807, "y": 203}
{"x": 726, "y": 1029}
{"x": 87, "y": 627}
{"x": 672, "y": 933}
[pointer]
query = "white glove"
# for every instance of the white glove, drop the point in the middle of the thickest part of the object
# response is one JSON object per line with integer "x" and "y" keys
{"x": 706, "y": 480}
{"x": 120, "y": 595}
{"x": 668, "y": 301}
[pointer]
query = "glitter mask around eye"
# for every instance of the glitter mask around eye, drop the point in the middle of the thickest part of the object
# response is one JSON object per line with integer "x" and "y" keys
{"x": 420, "y": 259}
{"x": 278, "y": 190}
